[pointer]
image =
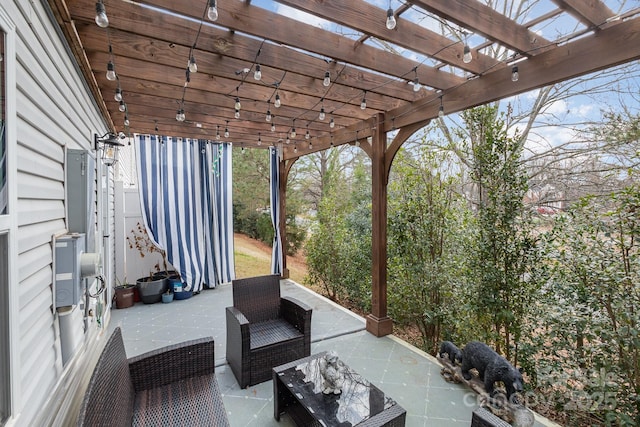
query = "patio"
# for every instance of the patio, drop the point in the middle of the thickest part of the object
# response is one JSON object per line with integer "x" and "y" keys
{"x": 408, "y": 375}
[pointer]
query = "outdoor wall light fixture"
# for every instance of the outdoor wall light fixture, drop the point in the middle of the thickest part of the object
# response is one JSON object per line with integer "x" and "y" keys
{"x": 109, "y": 144}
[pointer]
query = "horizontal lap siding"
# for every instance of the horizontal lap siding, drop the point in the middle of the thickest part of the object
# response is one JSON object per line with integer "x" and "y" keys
{"x": 55, "y": 111}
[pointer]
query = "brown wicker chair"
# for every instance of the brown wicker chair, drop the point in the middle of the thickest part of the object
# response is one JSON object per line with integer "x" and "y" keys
{"x": 264, "y": 330}
{"x": 175, "y": 385}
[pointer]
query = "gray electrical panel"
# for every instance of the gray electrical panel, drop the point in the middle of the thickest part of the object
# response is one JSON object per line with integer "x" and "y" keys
{"x": 81, "y": 195}
{"x": 68, "y": 278}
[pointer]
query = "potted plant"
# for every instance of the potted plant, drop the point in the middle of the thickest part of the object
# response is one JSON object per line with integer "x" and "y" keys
{"x": 167, "y": 297}
{"x": 124, "y": 294}
{"x": 150, "y": 287}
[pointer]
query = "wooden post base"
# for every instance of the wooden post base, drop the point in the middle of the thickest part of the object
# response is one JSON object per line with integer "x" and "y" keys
{"x": 379, "y": 326}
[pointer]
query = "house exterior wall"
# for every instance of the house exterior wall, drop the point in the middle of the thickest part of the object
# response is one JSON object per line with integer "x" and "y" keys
{"x": 54, "y": 111}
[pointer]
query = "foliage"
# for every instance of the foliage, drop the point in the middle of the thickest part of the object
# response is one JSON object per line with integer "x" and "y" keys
{"x": 139, "y": 240}
{"x": 251, "y": 204}
{"x": 590, "y": 313}
{"x": 502, "y": 246}
{"x": 339, "y": 248}
{"x": 425, "y": 220}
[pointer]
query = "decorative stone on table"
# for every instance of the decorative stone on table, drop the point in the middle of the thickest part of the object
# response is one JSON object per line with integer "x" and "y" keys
{"x": 333, "y": 372}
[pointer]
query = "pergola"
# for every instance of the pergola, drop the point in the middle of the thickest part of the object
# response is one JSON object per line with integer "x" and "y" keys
{"x": 354, "y": 78}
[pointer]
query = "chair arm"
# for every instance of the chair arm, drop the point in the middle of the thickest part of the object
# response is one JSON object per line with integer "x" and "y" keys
{"x": 238, "y": 345}
{"x": 172, "y": 363}
{"x": 296, "y": 313}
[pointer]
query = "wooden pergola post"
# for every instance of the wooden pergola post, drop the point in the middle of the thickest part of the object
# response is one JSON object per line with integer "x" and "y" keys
{"x": 378, "y": 323}
{"x": 283, "y": 172}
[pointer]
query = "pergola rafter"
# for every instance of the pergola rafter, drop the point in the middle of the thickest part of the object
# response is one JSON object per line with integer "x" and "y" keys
{"x": 151, "y": 42}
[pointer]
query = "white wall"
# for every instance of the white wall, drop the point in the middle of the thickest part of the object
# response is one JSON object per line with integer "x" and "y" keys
{"x": 54, "y": 111}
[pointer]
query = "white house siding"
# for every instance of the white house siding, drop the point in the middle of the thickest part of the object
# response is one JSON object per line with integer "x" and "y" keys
{"x": 54, "y": 110}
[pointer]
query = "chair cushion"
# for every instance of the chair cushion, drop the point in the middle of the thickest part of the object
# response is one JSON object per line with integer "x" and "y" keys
{"x": 191, "y": 402}
{"x": 271, "y": 332}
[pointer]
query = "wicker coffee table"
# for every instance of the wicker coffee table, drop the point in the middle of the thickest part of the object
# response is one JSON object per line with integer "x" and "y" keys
{"x": 297, "y": 391}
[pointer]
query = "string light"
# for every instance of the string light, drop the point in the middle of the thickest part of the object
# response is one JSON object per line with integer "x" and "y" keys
{"x": 122, "y": 107}
{"x": 218, "y": 132}
{"x": 226, "y": 130}
{"x": 416, "y": 82}
{"x": 327, "y": 79}
{"x": 111, "y": 71}
{"x": 363, "y": 104}
{"x": 268, "y": 117}
{"x": 441, "y": 109}
{"x": 212, "y": 12}
{"x": 237, "y": 105}
{"x": 391, "y": 20}
{"x": 193, "y": 67}
{"x": 259, "y": 139}
{"x": 273, "y": 127}
{"x": 257, "y": 75}
{"x": 126, "y": 120}
{"x": 322, "y": 114}
{"x": 332, "y": 123}
{"x": 293, "y": 129}
{"x": 466, "y": 52}
{"x": 101, "y": 15}
{"x": 307, "y": 135}
{"x": 118, "y": 95}
{"x": 310, "y": 145}
{"x": 180, "y": 115}
{"x": 515, "y": 75}
{"x": 277, "y": 102}
{"x": 237, "y": 114}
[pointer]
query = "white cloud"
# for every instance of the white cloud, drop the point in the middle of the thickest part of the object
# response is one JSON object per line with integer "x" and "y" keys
{"x": 301, "y": 16}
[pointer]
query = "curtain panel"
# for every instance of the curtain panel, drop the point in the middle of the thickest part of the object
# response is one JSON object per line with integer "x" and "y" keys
{"x": 186, "y": 200}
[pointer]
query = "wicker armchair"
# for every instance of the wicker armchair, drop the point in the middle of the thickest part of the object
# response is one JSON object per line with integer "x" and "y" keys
{"x": 175, "y": 385}
{"x": 264, "y": 330}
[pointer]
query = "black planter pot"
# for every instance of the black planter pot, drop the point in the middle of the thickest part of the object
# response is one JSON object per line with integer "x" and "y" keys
{"x": 152, "y": 288}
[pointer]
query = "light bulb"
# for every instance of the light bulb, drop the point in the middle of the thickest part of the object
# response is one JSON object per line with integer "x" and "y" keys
{"x": 310, "y": 145}
{"x": 332, "y": 124}
{"x": 111, "y": 71}
{"x": 363, "y": 104}
{"x": 288, "y": 141}
{"x": 259, "y": 140}
{"x": 322, "y": 114}
{"x": 307, "y": 135}
{"x": 101, "y": 15}
{"x": 515, "y": 75}
{"x": 466, "y": 58}
{"x": 193, "y": 67}
{"x": 182, "y": 116}
{"x": 293, "y": 133}
{"x": 218, "y": 132}
{"x": 277, "y": 102}
{"x": 126, "y": 120}
{"x": 391, "y": 20}
{"x": 226, "y": 132}
{"x": 237, "y": 114}
{"x": 178, "y": 115}
{"x": 327, "y": 79}
{"x": 441, "y": 112}
{"x": 416, "y": 85}
{"x": 118, "y": 95}
{"x": 268, "y": 116}
{"x": 295, "y": 148}
{"x": 238, "y": 106}
{"x": 258, "y": 72}
{"x": 122, "y": 107}
{"x": 273, "y": 127}
{"x": 212, "y": 12}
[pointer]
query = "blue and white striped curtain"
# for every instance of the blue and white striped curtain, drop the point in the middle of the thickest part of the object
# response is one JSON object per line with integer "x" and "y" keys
{"x": 185, "y": 195}
{"x": 276, "y": 253}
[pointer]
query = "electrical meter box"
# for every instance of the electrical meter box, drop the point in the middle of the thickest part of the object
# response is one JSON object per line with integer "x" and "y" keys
{"x": 81, "y": 195}
{"x": 68, "y": 278}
